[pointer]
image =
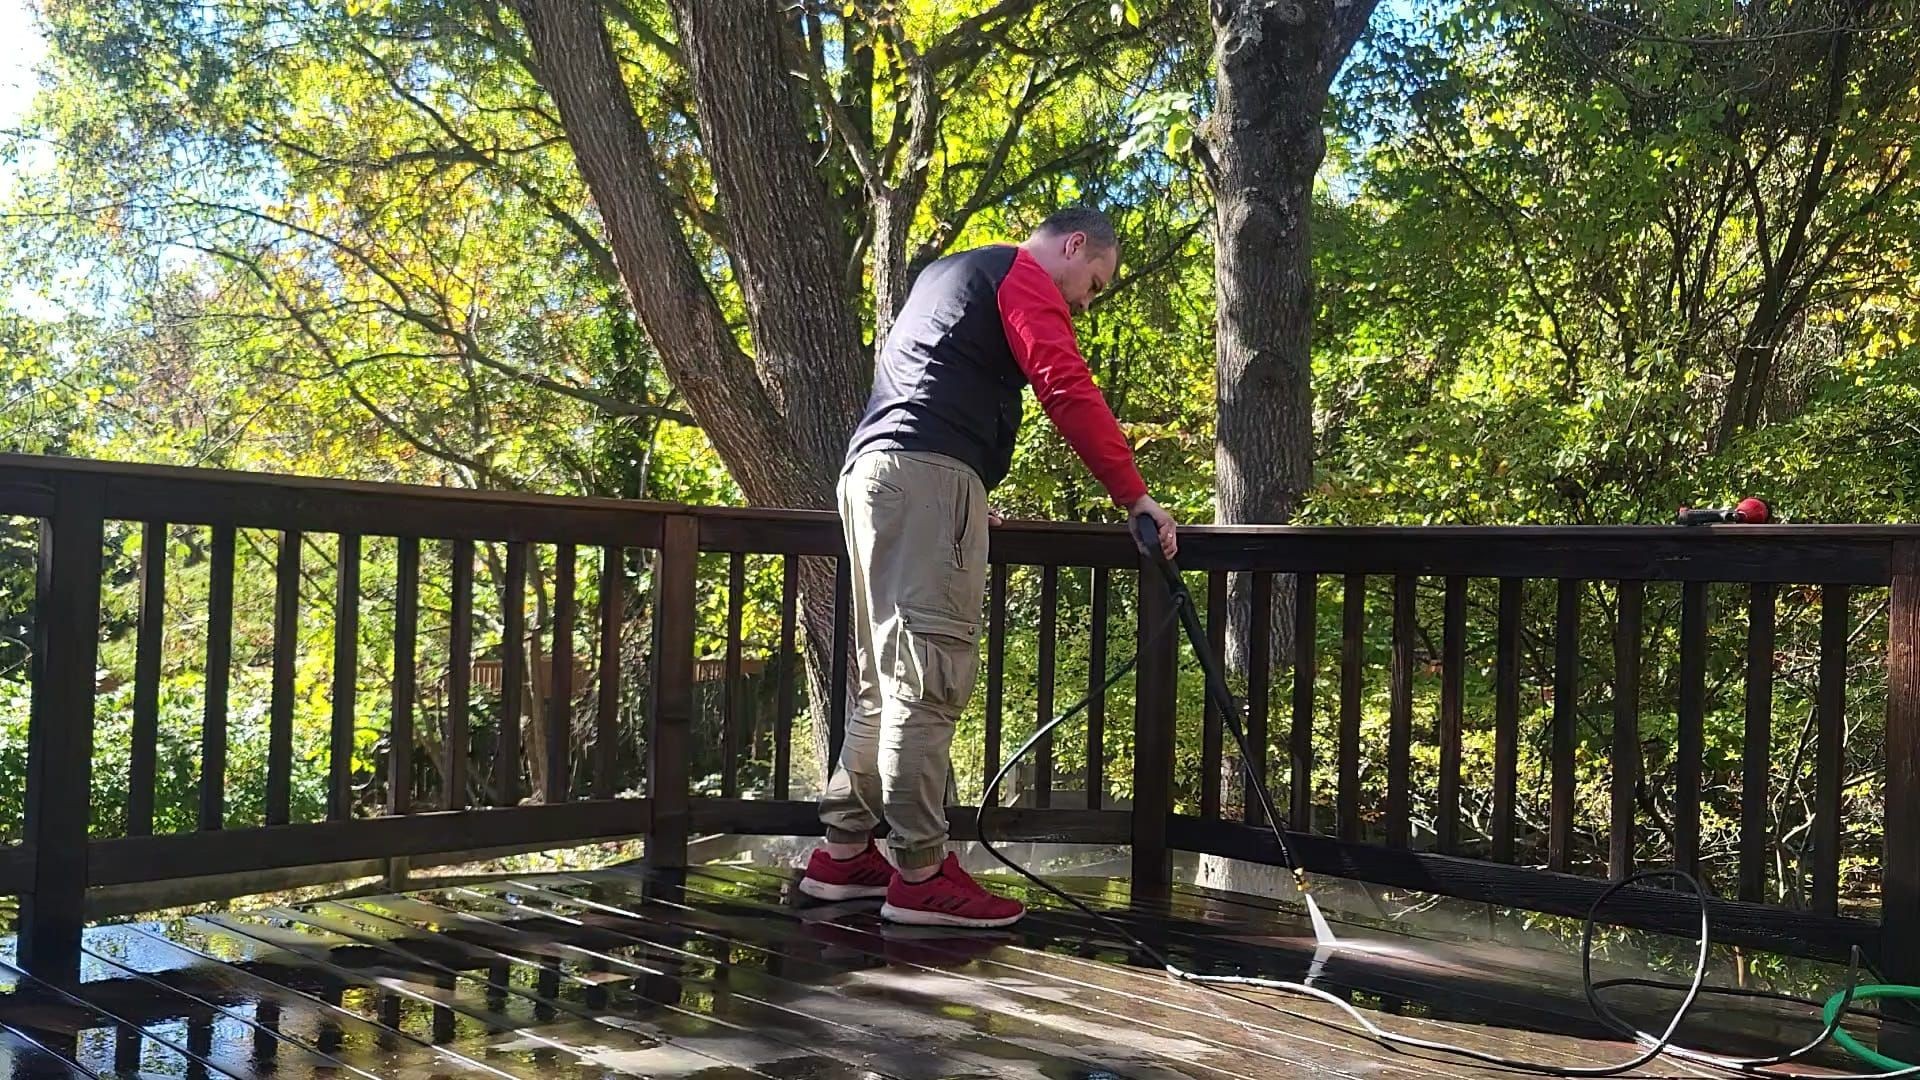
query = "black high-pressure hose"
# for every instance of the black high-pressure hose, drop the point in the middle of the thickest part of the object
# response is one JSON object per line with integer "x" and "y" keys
{"x": 1145, "y": 534}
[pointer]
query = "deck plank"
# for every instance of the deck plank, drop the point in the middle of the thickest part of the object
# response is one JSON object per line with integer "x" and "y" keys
{"x": 914, "y": 1044}
{"x": 1564, "y": 1033}
{"x": 968, "y": 968}
{"x": 995, "y": 1055}
{"x": 724, "y": 972}
{"x": 526, "y": 1025}
{"x": 1228, "y": 957}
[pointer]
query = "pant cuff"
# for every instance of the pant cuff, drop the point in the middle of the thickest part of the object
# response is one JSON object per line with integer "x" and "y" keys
{"x": 843, "y": 836}
{"x": 919, "y": 857}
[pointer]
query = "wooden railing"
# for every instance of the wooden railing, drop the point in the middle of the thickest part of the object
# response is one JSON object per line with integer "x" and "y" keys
{"x": 1169, "y": 761}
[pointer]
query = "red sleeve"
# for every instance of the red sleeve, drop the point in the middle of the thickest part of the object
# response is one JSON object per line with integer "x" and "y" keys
{"x": 1040, "y": 332}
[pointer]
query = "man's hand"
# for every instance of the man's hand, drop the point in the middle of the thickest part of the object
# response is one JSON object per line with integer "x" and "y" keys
{"x": 994, "y": 517}
{"x": 1169, "y": 543}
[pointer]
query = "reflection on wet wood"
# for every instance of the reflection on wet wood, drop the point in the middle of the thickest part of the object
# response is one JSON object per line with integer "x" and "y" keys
{"x": 722, "y": 972}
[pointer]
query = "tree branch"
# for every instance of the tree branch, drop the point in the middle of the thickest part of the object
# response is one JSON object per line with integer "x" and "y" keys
{"x": 597, "y": 252}
{"x": 969, "y": 32}
{"x": 642, "y": 29}
{"x": 326, "y": 351}
{"x": 842, "y": 123}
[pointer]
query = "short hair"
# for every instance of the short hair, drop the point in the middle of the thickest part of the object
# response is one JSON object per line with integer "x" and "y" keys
{"x": 1081, "y": 219}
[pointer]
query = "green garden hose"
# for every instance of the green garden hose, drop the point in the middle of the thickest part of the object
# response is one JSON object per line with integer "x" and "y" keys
{"x": 1870, "y": 990}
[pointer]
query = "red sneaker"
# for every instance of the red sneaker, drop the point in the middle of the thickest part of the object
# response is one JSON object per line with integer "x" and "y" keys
{"x": 948, "y": 898}
{"x": 864, "y": 875}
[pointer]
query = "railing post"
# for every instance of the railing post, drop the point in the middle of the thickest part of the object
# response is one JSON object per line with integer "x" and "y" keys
{"x": 672, "y": 720}
{"x": 1153, "y": 729}
{"x": 60, "y": 732}
{"x": 1900, "y": 875}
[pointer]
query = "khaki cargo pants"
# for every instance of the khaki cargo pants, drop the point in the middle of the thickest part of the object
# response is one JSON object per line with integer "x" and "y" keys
{"x": 916, "y": 528}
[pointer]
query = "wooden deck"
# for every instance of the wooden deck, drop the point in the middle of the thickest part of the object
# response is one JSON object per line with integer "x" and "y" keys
{"x": 729, "y": 973}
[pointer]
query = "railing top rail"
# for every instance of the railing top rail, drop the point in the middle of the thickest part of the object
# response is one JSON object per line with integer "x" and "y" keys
{"x": 1811, "y": 554}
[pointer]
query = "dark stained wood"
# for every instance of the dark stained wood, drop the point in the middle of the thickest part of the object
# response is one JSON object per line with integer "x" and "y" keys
{"x": 1766, "y": 926}
{"x": 1645, "y": 553}
{"x": 1900, "y": 866}
{"x": 1692, "y": 719}
{"x": 346, "y": 678}
{"x": 25, "y": 490}
{"x": 1836, "y": 609}
{"x": 784, "y": 690}
{"x": 1043, "y": 695}
{"x": 406, "y": 629}
{"x": 668, "y": 742}
{"x": 247, "y": 500}
{"x": 453, "y": 768}
{"x": 1211, "y": 735}
{"x": 606, "y": 719}
{"x": 1756, "y": 749}
{"x": 159, "y": 858}
{"x": 143, "y": 753}
{"x": 1506, "y": 717}
{"x": 213, "y": 724}
{"x": 761, "y": 530}
{"x": 1783, "y": 553}
{"x": 733, "y": 707}
{"x": 1259, "y": 694}
{"x": 286, "y": 647}
{"x": 513, "y": 678}
{"x": 1648, "y": 554}
{"x": 842, "y": 644}
{"x": 1306, "y": 627}
{"x": 1453, "y": 637}
{"x": 1155, "y": 697}
{"x": 1354, "y": 624}
{"x": 17, "y": 862}
{"x": 65, "y": 660}
{"x": 1097, "y": 692}
{"x": 996, "y": 667}
{"x": 1626, "y": 728}
{"x": 1566, "y": 723}
{"x": 559, "y": 725}
{"x": 1400, "y": 716}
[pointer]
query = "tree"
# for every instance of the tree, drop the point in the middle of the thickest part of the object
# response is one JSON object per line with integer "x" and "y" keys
{"x": 779, "y": 417}
{"x": 1273, "y": 66}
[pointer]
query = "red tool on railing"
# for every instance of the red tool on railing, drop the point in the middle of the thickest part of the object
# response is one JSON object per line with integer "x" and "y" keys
{"x": 1749, "y": 511}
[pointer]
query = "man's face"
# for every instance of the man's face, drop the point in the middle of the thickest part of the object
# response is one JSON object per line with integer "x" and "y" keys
{"x": 1085, "y": 270}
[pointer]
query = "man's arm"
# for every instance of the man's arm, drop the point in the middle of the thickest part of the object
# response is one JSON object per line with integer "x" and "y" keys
{"x": 1040, "y": 332}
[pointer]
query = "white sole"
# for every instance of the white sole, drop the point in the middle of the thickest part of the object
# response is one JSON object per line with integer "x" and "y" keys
{"x": 916, "y": 917}
{"x": 821, "y": 890}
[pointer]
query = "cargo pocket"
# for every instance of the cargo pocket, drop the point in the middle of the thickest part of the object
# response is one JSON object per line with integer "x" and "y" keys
{"x": 940, "y": 660}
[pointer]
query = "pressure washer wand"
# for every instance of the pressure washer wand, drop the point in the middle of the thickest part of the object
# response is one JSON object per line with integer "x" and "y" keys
{"x": 1147, "y": 534}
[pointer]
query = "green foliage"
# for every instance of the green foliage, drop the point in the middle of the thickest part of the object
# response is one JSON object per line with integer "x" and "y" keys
{"x": 1571, "y": 268}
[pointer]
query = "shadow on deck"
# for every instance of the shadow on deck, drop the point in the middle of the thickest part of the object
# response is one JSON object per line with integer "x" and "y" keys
{"x": 729, "y": 973}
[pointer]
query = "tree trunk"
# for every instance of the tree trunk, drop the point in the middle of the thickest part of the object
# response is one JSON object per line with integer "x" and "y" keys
{"x": 806, "y": 335}
{"x": 894, "y": 205}
{"x": 1274, "y": 63}
{"x": 780, "y": 419}
{"x": 1273, "y": 66}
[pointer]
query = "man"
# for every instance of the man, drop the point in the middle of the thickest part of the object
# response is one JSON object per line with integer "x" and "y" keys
{"x": 938, "y": 434}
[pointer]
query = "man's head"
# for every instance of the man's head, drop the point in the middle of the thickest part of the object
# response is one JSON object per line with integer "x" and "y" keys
{"x": 1077, "y": 247}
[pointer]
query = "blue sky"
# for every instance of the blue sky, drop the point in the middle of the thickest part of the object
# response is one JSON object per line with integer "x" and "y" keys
{"x": 21, "y": 47}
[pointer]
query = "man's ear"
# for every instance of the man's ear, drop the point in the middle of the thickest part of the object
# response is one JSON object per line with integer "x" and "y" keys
{"x": 1074, "y": 242}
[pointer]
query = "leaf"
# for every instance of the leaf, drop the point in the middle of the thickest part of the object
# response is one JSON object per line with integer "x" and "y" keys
{"x": 1179, "y": 140}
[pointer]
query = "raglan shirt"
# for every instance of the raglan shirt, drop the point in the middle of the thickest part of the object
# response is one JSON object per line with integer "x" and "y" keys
{"x": 976, "y": 329}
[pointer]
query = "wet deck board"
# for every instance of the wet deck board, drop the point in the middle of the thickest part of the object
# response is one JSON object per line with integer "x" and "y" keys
{"x": 727, "y": 973}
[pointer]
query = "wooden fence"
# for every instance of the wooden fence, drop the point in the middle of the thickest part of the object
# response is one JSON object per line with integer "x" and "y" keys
{"x": 59, "y": 859}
